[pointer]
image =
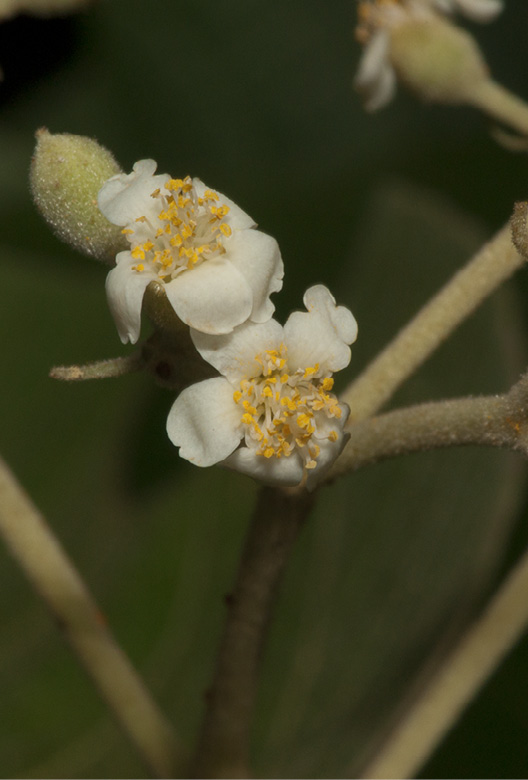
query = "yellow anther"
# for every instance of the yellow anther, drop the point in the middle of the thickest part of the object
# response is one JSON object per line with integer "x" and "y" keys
{"x": 303, "y": 421}
{"x": 140, "y": 219}
{"x": 237, "y": 395}
{"x": 310, "y": 371}
{"x": 138, "y": 253}
{"x": 247, "y": 418}
{"x": 327, "y": 383}
{"x": 269, "y": 452}
{"x": 333, "y": 436}
{"x": 138, "y": 267}
{"x": 127, "y": 231}
{"x": 225, "y": 229}
{"x": 211, "y": 195}
{"x": 284, "y": 378}
{"x": 174, "y": 184}
{"x": 148, "y": 245}
{"x": 155, "y": 193}
{"x": 267, "y": 392}
{"x": 311, "y": 464}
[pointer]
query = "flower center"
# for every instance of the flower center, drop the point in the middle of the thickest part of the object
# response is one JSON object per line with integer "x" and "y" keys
{"x": 183, "y": 233}
{"x": 285, "y": 412}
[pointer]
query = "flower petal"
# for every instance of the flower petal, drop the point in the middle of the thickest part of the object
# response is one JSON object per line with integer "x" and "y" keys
{"x": 233, "y": 355}
{"x": 375, "y": 79}
{"x": 271, "y": 471}
{"x": 320, "y": 335}
{"x": 330, "y": 451}
{"x": 236, "y": 218}
{"x": 257, "y": 256}
{"x": 205, "y": 422}
{"x": 125, "y": 288}
{"x": 480, "y": 10}
{"x": 213, "y": 297}
{"x": 126, "y": 196}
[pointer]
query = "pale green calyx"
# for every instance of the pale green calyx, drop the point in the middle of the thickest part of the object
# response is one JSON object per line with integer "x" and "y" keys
{"x": 438, "y": 61}
{"x": 67, "y": 172}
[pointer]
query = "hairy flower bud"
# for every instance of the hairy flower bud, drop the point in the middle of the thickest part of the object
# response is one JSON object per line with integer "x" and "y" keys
{"x": 440, "y": 62}
{"x": 67, "y": 172}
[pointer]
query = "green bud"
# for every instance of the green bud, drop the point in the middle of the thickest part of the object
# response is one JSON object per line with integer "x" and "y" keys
{"x": 438, "y": 61}
{"x": 67, "y": 172}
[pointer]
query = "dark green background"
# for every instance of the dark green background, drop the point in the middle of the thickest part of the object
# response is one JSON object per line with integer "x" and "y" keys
{"x": 255, "y": 98}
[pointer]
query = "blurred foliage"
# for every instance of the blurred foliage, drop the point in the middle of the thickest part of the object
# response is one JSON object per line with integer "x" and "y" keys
{"x": 256, "y": 100}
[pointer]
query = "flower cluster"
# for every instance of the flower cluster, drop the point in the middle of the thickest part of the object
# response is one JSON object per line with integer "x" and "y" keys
{"x": 380, "y": 21}
{"x": 270, "y": 412}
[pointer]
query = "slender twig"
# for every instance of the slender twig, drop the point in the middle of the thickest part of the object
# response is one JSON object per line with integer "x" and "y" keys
{"x": 54, "y": 577}
{"x": 492, "y": 265}
{"x": 223, "y": 749}
{"x": 100, "y": 369}
{"x": 459, "y": 679}
{"x": 498, "y": 103}
{"x": 492, "y": 421}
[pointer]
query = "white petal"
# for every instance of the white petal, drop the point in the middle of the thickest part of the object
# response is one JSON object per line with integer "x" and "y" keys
{"x": 480, "y": 10}
{"x": 271, "y": 471}
{"x": 445, "y": 6}
{"x": 125, "y": 289}
{"x": 236, "y": 218}
{"x": 213, "y": 297}
{"x": 383, "y": 92}
{"x": 204, "y": 422}
{"x": 320, "y": 335}
{"x": 375, "y": 79}
{"x": 126, "y": 196}
{"x": 329, "y": 453}
{"x": 257, "y": 256}
{"x": 233, "y": 355}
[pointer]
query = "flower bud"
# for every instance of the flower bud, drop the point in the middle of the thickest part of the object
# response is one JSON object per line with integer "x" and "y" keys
{"x": 438, "y": 61}
{"x": 67, "y": 172}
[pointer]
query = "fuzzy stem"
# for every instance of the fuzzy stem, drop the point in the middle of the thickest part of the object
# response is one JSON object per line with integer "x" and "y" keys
{"x": 497, "y": 102}
{"x": 223, "y": 749}
{"x": 493, "y": 264}
{"x": 456, "y": 683}
{"x": 493, "y": 421}
{"x": 32, "y": 544}
{"x": 100, "y": 369}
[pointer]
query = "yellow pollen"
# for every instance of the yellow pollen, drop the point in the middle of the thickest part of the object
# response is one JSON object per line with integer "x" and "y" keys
{"x": 328, "y": 383}
{"x": 237, "y": 395}
{"x": 127, "y": 231}
{"x": 333, "y": 436}
{"x": 138, "y": 253}
{"x": 138, "y": 267}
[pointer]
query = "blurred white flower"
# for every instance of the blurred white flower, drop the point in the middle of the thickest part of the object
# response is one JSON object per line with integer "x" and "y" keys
{"x": 477, "y": 10}
{"x": 217, "y": 270}
{"x": 378, "y": 20}
{"x": 271, "y": 414}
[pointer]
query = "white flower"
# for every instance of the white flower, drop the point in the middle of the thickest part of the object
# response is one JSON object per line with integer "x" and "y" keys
{"x": 376, "y": 76}
{"x": 218, "y": 271}
{"x": 271, "y": 414}
{"x": 476, "y": 10}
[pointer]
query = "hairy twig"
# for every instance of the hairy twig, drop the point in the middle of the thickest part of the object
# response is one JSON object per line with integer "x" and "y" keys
{"x": 100, "y": 369}
{"x": 223, "y": 749}
{"x": 459, "y": 679}
{"x": 492, "y": 265}
{"x": 492, "y": 421}
{"x": 54, "y": 577}
{"x": 501, "y": 104}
